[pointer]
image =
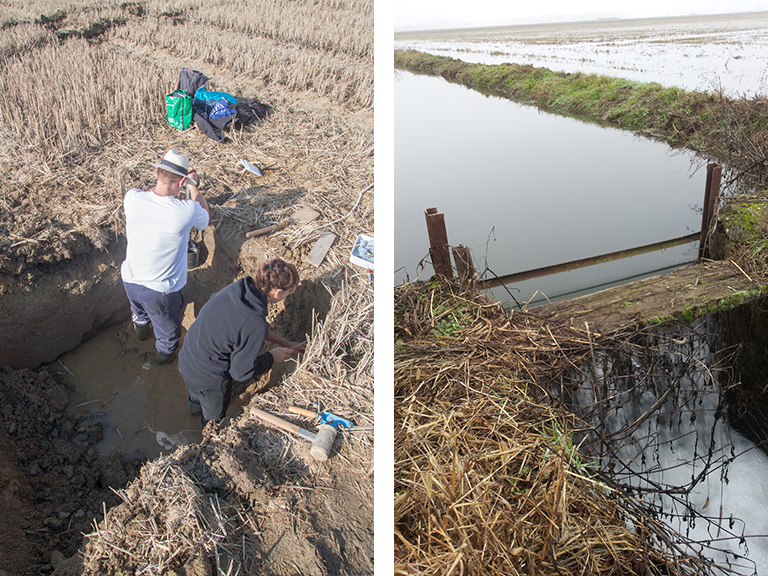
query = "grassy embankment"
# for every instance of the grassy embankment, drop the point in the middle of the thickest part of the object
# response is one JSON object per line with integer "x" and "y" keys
{"x": 732, "y": 132}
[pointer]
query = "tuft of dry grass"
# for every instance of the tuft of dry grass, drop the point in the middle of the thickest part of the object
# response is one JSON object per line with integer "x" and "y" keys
{"x": 169, "y": 517}
{"x": 480, "y": 490}
{"x": 337, "y": 367}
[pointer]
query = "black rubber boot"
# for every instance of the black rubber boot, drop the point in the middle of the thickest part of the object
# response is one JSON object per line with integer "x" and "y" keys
{"x": 195, "y": 409}
{"x": 164, "y": 358}
{"x": 142, "y": 332}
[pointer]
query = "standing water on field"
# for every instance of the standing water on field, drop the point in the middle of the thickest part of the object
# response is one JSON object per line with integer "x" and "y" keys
{"x": 728, "y": 51}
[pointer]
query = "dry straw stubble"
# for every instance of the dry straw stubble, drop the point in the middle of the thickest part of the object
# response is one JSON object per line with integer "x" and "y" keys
{"x": 78, "y": 113}
{"x": 488, "y": 477}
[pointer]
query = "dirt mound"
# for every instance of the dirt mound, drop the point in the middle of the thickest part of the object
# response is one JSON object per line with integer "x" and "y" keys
{"x": 52, "y": 480}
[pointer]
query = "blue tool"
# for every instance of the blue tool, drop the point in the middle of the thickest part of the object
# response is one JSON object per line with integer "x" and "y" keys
{"x": 333, "y": 420}
{"x": 325, "y": 417}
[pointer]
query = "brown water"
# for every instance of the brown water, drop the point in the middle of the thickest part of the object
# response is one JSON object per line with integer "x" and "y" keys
{"x": 144, "y": 406}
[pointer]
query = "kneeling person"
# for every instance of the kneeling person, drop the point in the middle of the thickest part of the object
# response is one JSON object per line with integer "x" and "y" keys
{"x": 224, "y": 341}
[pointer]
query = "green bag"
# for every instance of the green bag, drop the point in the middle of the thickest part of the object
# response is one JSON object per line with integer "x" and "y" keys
{"x": 178, "y": 107}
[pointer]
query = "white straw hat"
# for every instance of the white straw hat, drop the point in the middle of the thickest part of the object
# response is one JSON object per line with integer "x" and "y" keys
{"x": 177, "y": 164}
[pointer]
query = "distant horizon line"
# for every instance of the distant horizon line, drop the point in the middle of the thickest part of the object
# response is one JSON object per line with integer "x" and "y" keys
{"x": 409, "y": 30}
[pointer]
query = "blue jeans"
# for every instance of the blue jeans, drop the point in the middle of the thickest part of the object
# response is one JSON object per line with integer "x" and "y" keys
{"x": 163, "y": 310}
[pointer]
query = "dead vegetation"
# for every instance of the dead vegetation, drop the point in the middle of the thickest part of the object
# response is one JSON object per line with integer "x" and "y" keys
{"x": 493, "y": 473}
{"x": 249, "y": 498}
{"x": 82, "y": 117}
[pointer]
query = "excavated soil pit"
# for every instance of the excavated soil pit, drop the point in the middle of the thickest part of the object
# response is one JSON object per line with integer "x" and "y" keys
{"x": 77, "y": 430}
{"x": 142, "y": 406}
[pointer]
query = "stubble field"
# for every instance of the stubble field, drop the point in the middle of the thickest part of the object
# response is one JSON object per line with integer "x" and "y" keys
{"x": 82, "y": 119}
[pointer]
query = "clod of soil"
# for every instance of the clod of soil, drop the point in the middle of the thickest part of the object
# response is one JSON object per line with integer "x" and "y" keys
{"x": 52, "y": 481}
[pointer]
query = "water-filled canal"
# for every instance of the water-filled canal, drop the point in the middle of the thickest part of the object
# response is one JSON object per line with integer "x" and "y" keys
{"x": 525, "y": 189}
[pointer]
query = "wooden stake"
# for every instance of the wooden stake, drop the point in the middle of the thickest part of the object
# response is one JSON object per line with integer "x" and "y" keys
{"x": 711, "y": 194}
{"x": 321, "y": 248}
{"x": 464, "y": 266}
{"x": 267, "y": 230}
{"x": 438, "y": 243}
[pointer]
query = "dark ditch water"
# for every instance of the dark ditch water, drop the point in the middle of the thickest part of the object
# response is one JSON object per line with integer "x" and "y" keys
{"x": 525, "y": 189}
{"x": 660, "y": 433}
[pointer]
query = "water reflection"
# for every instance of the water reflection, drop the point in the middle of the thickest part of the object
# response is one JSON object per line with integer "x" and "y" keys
{"x": 525, "y": 189}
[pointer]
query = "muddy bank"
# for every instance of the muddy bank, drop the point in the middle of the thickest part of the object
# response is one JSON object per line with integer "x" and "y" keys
{"x": 250, "y": 497}
{"x": 289, "y": 516}
{"x": 51, "y": 309}
{"x": 275, "y": 497}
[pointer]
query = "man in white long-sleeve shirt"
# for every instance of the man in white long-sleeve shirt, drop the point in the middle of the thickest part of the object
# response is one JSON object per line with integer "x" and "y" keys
{"x": 157, "y": 225}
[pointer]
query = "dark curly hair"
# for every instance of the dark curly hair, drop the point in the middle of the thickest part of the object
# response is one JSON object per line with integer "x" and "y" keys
{"x": 276, "y": 275}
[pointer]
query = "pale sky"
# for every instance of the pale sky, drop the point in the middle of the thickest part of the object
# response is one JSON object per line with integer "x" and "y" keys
{"x": 431, "y": 14}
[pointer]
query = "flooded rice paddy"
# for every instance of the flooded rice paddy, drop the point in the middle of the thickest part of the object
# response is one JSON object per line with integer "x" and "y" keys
{"x": 694, "y": 52}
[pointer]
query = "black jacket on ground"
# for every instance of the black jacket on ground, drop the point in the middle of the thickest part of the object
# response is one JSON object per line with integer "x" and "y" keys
{"x": 226, "y": 337}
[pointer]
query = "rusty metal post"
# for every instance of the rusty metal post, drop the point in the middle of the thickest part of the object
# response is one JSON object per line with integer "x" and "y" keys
{"x": 464, "y": 266}
{"x": 438, "y": 243}
{"x": 711, "y": 195}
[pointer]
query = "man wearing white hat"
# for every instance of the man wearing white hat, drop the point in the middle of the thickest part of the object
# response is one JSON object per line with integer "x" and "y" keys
{"x": 157, "y": 225}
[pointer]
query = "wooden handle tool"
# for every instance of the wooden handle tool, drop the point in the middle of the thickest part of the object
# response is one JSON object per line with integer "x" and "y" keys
{"x": 302, "y": 412}
{"x": 267, "y": 230}
{"x": 283, "y": 424}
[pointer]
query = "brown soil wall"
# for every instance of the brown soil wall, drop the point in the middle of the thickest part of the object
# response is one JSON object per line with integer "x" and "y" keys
{"x": 51, "y": 310}
{"x": 44, "y": 313}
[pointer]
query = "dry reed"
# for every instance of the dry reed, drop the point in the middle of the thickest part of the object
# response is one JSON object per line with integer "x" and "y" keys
{"x": 62, "y": 99}
{"x": 82, "y": 120}
{"x": 491, "y": 476}
{"x": 482, "y": 491}
{"x": 332, "y": 26}
{"x": 745, "y": 222}
{"x": 337, "y": 367}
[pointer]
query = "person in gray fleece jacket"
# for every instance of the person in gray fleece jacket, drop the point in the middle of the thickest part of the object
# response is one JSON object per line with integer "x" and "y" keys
{"x": 224, "y": 342}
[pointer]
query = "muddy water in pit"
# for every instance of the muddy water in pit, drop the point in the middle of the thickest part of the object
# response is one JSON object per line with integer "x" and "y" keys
{"x": 143, "y": 405}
